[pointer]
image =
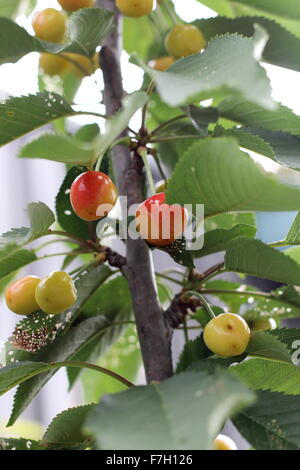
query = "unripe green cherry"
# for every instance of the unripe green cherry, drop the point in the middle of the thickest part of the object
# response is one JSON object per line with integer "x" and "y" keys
{"x": 263, "y": 324}
{"x": 223, "y": 442}
{"x": 20, "y": 295}
{"x": 56, "y": 293}
{"x": 227, "y": 335}
{"x": 74, "y": 5}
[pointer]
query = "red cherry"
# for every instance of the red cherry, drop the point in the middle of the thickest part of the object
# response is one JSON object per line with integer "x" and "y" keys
{"x": 93, "y": 195}
{"x": 160, "y": 223}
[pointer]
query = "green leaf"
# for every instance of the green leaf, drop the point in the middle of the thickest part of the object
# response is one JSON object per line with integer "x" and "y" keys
{"x": 263, "y": 374}
{"x": 20, "y": 115}
{"x": 20, "y": 444}
{"x": 272, "y": 423}
{"x": 138, "y": 36}
{"x": 59, "y": 148}
{"x": 66, "y": 217}
{"x": 288, "y": 9}
{"x": 255, "y": 258}
{"x": 281, "y": 48}
{"x": 179, "y": 253}
{"x": 248, "y": 140}
{"x": 114, "y": 309}
{"x": 185, "y": 411}
{"x": 12, "y": 375}
{"x": 267, "y": 345}
{"x": 229, "y": 220}
{"x": 193, "y": 351}
{"x": 250, "y": 114}
{"x": 218, "y": 240}
{"x": 293, "y": 236}
{"x": 116, "y": 124}
{"x": 40, "y": 217}
{"x": 13, "y": 8}
{"x": 288, "y": 336}
{"x": 12, "y": 258}
{"x": 204, "y": 75}
{"x": 87, "y": 28}
{"x": 123, "y": 357}
{"x": 239, "y": 184}
{"x": 66, "y": 427}
{"x": 223, "y": 7}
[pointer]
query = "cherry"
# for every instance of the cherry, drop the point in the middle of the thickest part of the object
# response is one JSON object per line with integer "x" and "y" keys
{"x": 184, "y": 40}
{"x": 73, "y": 5}
{"x": 49, "y": 25}
{"x": 20, "y": 295}
{"x": 160, "y": 223}
{"x": 223, "y": 442}
{"x": 227, "y": 335}
{"x": 52, "y": 64}
{"x": 135, "y": 8}
{"x": 93, "y": 195}
{"x": 56, "y": 293}
{"x": 162, "y": 63}
{"x": 85, "y": 66}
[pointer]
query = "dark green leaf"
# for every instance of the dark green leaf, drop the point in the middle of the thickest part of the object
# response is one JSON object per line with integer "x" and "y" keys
{"x": 193, "y": 351}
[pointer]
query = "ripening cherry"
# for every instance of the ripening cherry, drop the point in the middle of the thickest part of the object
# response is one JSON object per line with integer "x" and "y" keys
{"x": 85, "y": 66}
{"x": 223, "y": 442}
{"x": 20, "y": 295}
{"x": 184, "y": 40}
{"x": 162, "y": 63}
{"x": 135, "y": 8}
{"x": 160, "y": 223}
{"x": 263, "y": 324}
{"x": 52, "y": 64}
{"x": 161, "y": 186}
{"x": 93, "y": 195}
{"x": 227, "y": 335}
{"x": 56, "y": 293}
{"x": 73, "y": 5}
{"x": 49, "y": 25}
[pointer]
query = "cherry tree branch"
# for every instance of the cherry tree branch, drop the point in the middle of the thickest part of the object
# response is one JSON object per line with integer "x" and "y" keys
{"x": 154, "y": 333}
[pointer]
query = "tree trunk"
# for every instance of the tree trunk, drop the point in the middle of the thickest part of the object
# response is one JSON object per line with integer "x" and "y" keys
{"x": 154, "y": 333}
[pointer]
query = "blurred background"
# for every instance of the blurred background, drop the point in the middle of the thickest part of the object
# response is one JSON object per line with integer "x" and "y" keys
{"x": 24, "y": 181}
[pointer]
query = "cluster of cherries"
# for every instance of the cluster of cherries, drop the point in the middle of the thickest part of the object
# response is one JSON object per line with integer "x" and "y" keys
{"x": 51, "y": 25}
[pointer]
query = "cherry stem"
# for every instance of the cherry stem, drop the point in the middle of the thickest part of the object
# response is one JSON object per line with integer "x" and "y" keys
{"x": 144, "y": 155}
{"x": 170, "y": 12}
{"x": 145, "y": 107}
{"x": 204, "y": 302}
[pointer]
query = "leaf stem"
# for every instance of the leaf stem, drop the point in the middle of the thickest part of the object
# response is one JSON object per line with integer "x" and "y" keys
{"x": 87, "y": 365}
{"x": 165, "y": 124}
{"x": 237, "y": 292}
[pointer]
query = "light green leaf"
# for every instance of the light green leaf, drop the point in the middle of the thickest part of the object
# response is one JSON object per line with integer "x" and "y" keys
{"x": 59, "y": 148}
{"x": 185, "y": 411}
{"x": 293, "y": 236}
{"x": 264, "y": 374}
{"x": 12, "y": 375}
{"x": 116, "y": 125}
{"x": 267, "y": 345}
{"x": 288, "y": 9}
{"x": 281, "y": 48}
{"x": 12, "y": 258}
{"x": 238, "y": 183}
{"x": 204, "y": 75}
{"x": 87, "y": 28}
{"x": 41, "y": 218}
{"x": 250, "y": 114}
{"x": 272, "y": 423}
{"x": 247, "y": 140}
{"x": 255, "y": 258}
